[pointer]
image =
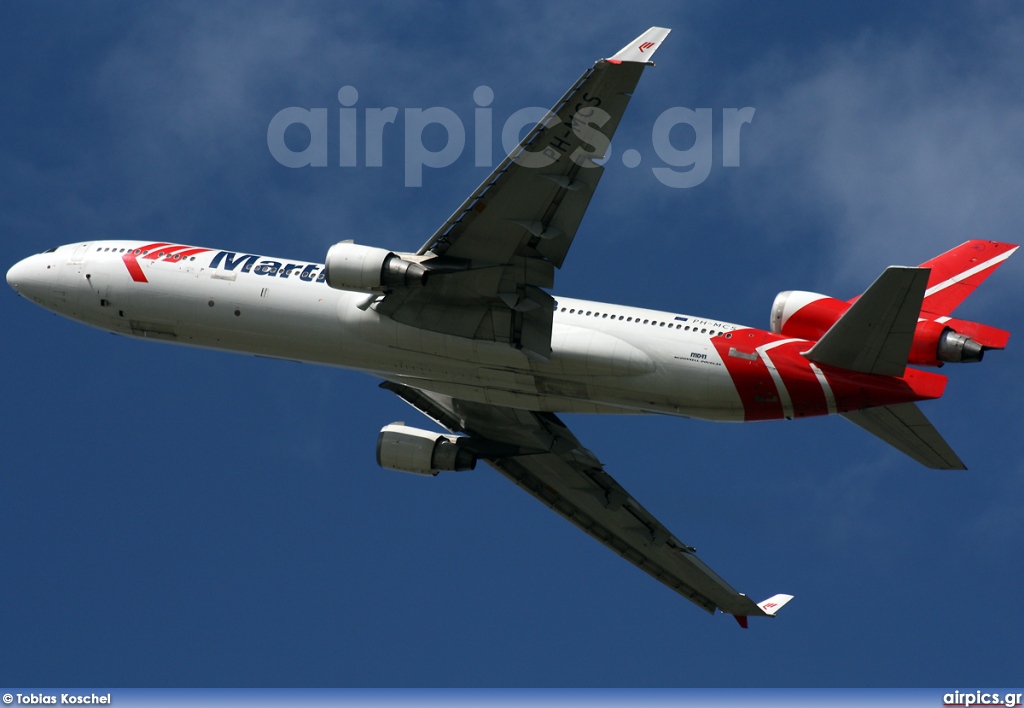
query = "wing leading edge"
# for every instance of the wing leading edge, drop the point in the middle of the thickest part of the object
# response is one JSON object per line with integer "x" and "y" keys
{"x": 492, "y": 260}
{"x": 539, "y": 453}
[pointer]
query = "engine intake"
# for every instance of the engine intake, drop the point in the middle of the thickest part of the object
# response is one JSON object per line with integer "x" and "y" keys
{"x": 406, "y": 449}
{"x": 798, "y": 313}
{"x": 350, "y": 266}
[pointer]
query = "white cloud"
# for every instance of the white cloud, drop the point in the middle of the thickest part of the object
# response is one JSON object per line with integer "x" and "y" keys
{"x": 889, "y": 151}
{"x": 188, "y": 92}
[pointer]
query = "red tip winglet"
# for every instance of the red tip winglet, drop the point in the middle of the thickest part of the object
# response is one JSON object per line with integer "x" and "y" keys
{"x": 742, "y": 619}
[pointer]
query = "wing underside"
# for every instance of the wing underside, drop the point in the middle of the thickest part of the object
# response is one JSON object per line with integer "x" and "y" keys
{"x": 490, "y": 262}
{"x": 487, "y": 270}
{"x": 538, "y": 453}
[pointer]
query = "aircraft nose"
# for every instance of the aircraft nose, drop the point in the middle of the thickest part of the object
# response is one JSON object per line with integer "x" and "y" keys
{"x": 18, "y": 274}
{"x": 28, "y": 277}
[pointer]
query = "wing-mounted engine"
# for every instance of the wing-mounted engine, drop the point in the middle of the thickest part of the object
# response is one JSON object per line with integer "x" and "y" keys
{"x": 503, "y": 302}
{"x": 488, "y": 266}
{"x": 350, "y": 266}
{"x": 406, "y": 449}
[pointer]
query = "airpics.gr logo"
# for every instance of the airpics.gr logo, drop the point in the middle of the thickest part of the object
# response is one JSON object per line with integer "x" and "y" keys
{"x": 362, "y": 132}
{"x": 154, "y": 252}
{"x": 982, "y": 698}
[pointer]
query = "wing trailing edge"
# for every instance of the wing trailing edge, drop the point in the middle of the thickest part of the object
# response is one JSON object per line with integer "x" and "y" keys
{"x": 541, "y": 456}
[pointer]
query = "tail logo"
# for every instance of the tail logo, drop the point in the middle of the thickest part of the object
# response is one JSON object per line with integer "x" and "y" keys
{"x": 645, "y": 45}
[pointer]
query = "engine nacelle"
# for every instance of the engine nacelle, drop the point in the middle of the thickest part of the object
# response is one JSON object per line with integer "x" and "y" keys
{"x": 350, "y": 266}
{"x": 406, "y": 449}
{"x": 797, "y": 313}
{"x": 958, "y": 348}
{"x": 936, "y": 343}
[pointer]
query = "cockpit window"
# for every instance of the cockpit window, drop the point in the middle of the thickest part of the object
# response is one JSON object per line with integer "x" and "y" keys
{"x": 50, "y": 250}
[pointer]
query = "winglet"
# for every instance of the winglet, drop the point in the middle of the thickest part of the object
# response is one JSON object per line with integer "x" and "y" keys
{"x": 768, "y": 608}
{"x": 643, "y": 47}
{"x": 774, "y": 603}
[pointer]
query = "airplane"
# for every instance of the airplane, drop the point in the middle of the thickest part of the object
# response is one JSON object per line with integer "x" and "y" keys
{"x": 465, "y": 331}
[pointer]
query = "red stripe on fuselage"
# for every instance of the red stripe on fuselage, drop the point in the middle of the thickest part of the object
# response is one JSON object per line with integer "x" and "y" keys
{"x": 851, "y": 390}
{"x": 799, "y": 378}
{"x": 163, "y": 250}
{"x": 131, "y": 261}
{"x": 749, "y": 373}
{"x": 155, "y": 251}
{"x": 193, "y": 252}
{"x": 134, "y": 269}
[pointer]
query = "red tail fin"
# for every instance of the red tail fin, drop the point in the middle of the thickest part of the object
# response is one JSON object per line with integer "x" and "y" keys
{"x": 938, "y": 337}
{"x": 956, "y": 273}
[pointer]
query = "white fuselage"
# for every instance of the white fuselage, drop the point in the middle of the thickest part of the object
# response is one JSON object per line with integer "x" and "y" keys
{"x": 605, "y": 358}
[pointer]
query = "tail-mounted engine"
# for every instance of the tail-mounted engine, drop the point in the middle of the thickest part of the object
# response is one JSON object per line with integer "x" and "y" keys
{"x": 350, "y": 266}
{"x": 937, "y": 342}
{"x": 797, "y": 313}
{"x": 806, "y": 315}
{"x": 406, "y": 449}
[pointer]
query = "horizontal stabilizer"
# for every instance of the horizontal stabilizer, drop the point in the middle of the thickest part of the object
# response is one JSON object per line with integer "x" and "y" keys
{"x": 875, "y": 335}
{"x": 907, "y": 429}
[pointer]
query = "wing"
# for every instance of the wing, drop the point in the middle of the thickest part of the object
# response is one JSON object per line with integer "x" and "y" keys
{"x": 538, "y": 453}
{"x": 490, "y": 261}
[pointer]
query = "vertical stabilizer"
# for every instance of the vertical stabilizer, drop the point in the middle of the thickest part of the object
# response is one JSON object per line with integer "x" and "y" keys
{"x": 957, "y": 272}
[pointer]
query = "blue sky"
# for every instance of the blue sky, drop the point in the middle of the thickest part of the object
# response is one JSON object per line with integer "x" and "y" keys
{"x": 177, "y": 517}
